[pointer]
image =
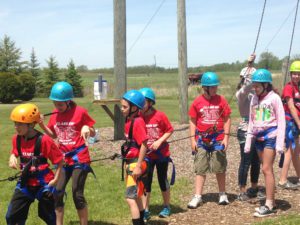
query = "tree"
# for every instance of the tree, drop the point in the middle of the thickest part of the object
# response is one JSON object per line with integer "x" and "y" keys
{"x": 34, "y": 65}
{"x": 51, "y": 74}
{"x": 9, "y": 56}
{"x": 74, "y": 79}
{"x": 82, "y": 68}
{"x": 269, "y": 61}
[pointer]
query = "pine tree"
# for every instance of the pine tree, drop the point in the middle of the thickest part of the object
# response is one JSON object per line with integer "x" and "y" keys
{"x": 51, "y": 74}
{"x": 9, "y": 56}
{"x": 74, "y": 79}
{"x": 33, "y": 67}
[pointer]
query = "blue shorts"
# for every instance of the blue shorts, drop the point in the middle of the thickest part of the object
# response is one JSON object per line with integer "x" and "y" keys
{"x": 269, "y": 143}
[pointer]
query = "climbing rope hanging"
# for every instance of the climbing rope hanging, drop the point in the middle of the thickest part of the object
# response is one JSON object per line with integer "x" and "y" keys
{"x": 259, "y": 28}
{"x": 291, "y": 43}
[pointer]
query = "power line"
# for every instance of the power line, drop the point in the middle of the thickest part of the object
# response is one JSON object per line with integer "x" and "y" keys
{"x": 148, "y": 23}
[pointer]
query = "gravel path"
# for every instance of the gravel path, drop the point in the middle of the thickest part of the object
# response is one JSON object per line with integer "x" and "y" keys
{"x": 236, "y": 212}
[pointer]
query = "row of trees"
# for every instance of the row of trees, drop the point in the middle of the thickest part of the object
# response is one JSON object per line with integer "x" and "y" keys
{"x": 24, "y": 80}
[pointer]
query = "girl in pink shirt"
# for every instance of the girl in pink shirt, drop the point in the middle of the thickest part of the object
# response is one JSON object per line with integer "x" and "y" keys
{"x": 266, "y": 130}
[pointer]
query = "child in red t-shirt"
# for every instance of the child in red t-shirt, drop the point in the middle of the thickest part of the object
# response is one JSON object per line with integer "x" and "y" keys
{"x": 133, "y": 152}
{"x": 291, "y": 100}
{"x": 209, "y": 129}
{"x": 159, "y": 129}
{"x": 72, "y": 126}
{"x": 37, "y": 180}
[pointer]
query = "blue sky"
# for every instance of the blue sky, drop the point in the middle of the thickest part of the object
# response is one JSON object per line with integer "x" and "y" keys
{"x": 217, "y": 30}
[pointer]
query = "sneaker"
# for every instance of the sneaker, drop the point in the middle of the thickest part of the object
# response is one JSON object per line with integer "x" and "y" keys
{"x": 165, "y": 212}
{"x": 264, "y": 211}
{"x": 243, "y": 197}
{"x": 261, "y": 194}
{"x": 223, "y": 200}
{"x": 252, "y": 192}
{"x": 195, "y": 202}
{"x": 146, "y": 215}
{"x": 288, "y": 185}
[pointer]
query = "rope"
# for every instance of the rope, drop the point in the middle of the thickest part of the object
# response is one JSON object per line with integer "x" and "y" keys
{"x": 261, "y": 19}
{"x": 148, "y": 23}
{"x": 112, "y": 157}
{"x": 12, "y": 178}
{"x": 281, "y": 26}
{"x": 291, "y": 43}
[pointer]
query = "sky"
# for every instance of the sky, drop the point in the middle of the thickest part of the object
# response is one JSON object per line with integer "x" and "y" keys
{"x": 217, "y": 30}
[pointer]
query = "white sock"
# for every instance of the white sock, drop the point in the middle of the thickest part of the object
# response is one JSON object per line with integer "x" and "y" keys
{"x": 269, "y": 203}
{"x": 198, "y": 196}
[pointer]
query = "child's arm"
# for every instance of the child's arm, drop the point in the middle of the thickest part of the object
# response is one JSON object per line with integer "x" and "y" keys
{"x": 137, "y": 171}
{"x": 161, "y": 140}
{"x": 46, "y": 129}
{"x": 193, "y": 134}
{"x": 227, "y": 124}
{"x": 293, "y": 110}
{"x": 13, "y": 162}
{"x": 249, "y": 134}
{"x": 57, "y": 174}
{"x": 280, "y": 117}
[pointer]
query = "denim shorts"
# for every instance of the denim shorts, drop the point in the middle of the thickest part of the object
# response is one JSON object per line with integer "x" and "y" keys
{"x": 269, "y": 143}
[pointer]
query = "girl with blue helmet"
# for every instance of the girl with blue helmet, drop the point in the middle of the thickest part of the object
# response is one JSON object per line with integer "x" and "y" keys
{"x": 209, "y": 131}
{"x": 291, "y": 104}
{"x": 133, "y": 152}
{"x": 72, "y": 126}
{"x": 159, "y": 129}
{"x": 265, "y": 130}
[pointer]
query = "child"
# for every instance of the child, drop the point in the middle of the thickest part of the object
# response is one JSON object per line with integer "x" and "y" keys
{"x": 209, "y": 130}
{"x": 244, "y": 96}
{"x": 37, "y": 179}
{"x": 291, "y": 99}
{"x": 159, "y": 129}
{"x": 266, "y": 126}
{"x": 133, "y": 152}
{"x": 71, "y": 125}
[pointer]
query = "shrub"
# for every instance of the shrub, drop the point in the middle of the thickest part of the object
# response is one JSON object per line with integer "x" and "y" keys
{"x": 28, "y": 87}
{"x": 10, "y": 86}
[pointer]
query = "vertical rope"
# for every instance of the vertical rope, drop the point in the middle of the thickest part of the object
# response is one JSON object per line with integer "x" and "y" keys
{"x": 261, "y": 19}
{"x": 291, "y": 43}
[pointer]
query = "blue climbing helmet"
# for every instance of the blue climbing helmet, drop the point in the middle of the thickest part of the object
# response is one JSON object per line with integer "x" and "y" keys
{"x": 135, "y": 97}
{"x": 61, "y": 92}
{"x": 209, "y": 79}
{"x": 262, "y": 76}
{"x": 148, "y": 93}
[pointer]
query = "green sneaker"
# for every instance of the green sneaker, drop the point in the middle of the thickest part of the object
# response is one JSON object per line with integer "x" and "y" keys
{"x": 146, "y": 216}
{"x": 165, "y": 212}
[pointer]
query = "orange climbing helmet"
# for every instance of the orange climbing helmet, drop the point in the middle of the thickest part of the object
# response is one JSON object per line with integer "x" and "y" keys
{"x": 25, "y": 113}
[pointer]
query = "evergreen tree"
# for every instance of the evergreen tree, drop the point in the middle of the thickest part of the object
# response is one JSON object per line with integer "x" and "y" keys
{"x": 74, "y": 79}
{"x": 9, "y": 56}
{"x": 33, "y": 67}
{"x": 51, "y": 74}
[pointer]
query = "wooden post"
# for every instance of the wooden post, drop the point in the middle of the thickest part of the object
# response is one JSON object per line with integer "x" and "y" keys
{"x": 182, "y": 62}
{"x": 119, "y": 64}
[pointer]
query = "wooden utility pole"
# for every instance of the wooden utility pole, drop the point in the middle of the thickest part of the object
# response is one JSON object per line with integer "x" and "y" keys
{"x": 182, "y": 62}
{"x": 120, "y": 79}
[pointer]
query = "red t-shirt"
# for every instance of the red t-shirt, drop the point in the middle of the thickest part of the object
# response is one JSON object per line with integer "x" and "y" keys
{"x": 157, "y": 124}
{"x": 48, "y": 150}
{"x": 291, "y": 91}
{"x": 210, "y": 113}
{"x": 67, "y": 127}
{"x": 138, "y": 135}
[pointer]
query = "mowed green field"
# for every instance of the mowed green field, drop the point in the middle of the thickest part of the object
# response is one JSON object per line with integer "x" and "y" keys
{"x": 105, "y": 194}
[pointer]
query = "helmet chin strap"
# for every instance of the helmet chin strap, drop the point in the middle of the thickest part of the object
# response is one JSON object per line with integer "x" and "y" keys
{"x": 264, "y": 89}
{"x": 131, "y": 112}
{"x": 206, "y": 89}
